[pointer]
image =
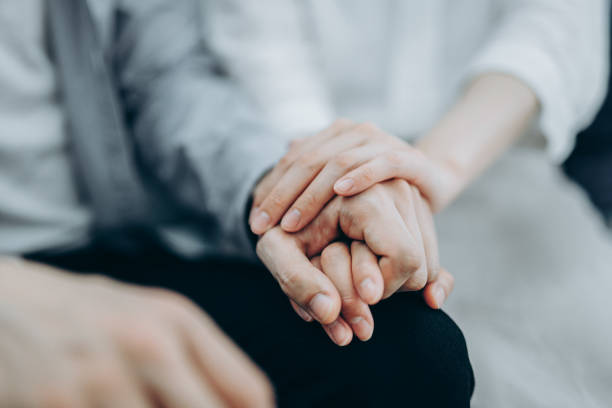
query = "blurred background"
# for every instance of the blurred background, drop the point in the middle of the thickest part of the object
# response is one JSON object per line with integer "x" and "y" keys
{"x": 590, "y": 164}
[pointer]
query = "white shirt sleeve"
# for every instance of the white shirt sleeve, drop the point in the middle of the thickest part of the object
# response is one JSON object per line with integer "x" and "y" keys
{"x": 265, "y": 47}
{"x": 559, "y": 48}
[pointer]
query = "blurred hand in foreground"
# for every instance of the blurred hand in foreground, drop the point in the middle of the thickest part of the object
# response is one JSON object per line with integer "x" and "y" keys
{"x": 85, "y": 341}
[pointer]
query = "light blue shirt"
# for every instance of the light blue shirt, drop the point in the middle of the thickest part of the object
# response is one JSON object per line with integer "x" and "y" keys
{"x": 194, "y": 130}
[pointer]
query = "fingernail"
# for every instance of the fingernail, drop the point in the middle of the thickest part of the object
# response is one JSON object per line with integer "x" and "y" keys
{"x": 291, "y": 219}
{"x": 252, "y": 214}
{"x": 338, "y": 333}
{"x": 344, "y": 186}
{"x": 367, "y": 290}
{"x": 362, "y": 328}
{"x": 302, "y": 313}
{"x": 440, "y": 296}
{"x": 321, "y": 306}
{"x": 260, "y": 221}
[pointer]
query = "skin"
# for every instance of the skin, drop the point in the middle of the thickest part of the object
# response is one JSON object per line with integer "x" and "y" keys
{"x": 83, "y": 341}
{"x": 350, "y": 160}
{"x": 126, "y": 346}
{"x": 392, "y": 249}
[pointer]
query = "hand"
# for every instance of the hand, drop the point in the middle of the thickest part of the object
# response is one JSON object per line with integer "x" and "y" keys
{"x": 77, "y": 341}
{"x": 324, "y": 287}
{"x": 395, "y": 223}
{"x": 325, "y": 153}
{"x": 319, "y": 288}
{"x": 391, "y": 221}
{"x": 308, "y": 176}
{"x": 336, "y": 262}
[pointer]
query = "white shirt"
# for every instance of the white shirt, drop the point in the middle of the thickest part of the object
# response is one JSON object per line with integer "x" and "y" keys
{"x": 401, "y": 64}
{"x": 39, "y": 205}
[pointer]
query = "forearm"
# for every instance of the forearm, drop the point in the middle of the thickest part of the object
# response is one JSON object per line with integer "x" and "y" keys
{"x": 491, "y": 115}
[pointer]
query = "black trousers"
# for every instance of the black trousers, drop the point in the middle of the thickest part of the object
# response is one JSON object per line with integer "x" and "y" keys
{"x": 417, "y": 357}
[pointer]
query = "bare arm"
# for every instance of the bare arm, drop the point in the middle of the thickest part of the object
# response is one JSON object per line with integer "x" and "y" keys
{"x": 492, "y": 114}
{"x": 70, "y": 340}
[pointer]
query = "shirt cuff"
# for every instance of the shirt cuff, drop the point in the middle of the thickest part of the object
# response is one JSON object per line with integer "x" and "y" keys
{"x": 534, "y": 67}
{"x": 261, "y": 158}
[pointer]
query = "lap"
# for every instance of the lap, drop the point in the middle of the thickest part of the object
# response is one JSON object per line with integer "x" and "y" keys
{"x": 416, "y": 355}
{"x": 412, "y": 347}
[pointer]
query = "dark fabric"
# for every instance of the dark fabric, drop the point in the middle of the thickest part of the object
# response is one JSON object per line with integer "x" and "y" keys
{"x": 590, "y": 164}
{"x": 417, "y": 356}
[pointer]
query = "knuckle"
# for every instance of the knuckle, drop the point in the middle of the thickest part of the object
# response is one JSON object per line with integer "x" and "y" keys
{"x": 370, "y": 203}
{"x": 350, "y": 302}
{"x": 259, "y": 194}
{"x": 366, "y": 174}
{"x": 291, "y": 283}
{"x": 363, "y": 268}
{"x": 433, "y": 271}
{"x": 310, "y": 162}
{"x": 351, "y": 221}
{"x": 406, "y": 258}
{"x": 360, "y": 213}
{"x": 332, "y": 252}
{"x": 416, "y": 281}
{"x": 344, "y": 161}
{"x": 170, "y": 304}
{"x": 286, "y": 160}
{"x": 268, "y": 241}
{"x": 367, "y": 127}
{"x": 306, "y": 201}
{"x": 141, "y": 342}
{"x": 394, "y": 158}
{"x": 411, "y": 260}
{"x": 274, "y": 201}
{"x": 400, "y": 185}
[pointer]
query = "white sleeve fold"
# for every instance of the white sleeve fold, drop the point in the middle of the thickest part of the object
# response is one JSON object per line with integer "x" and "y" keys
{"x": 265, "y": 47}
{"x": 559, "y": 48}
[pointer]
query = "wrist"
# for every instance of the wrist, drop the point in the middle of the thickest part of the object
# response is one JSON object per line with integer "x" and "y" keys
{"x": 447, "y": 180}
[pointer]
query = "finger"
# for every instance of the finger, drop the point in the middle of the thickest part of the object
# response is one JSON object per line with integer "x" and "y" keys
{"x": 301, "y": 312}
{"x": 173, "y": 381}
{"x": 406, "y": 203}
{"x": 296, "y": 150}
{"x": 298, "y": 177}
{"x": 437, "y": 291}
{"x": 408, "y": 164}
{"x": 297, "y": 277}
{"x": 367, "y": 277}
{"x": 428, "y": 234}
{"x": 320, "y": 190}
{"x": 375, "y": 219}
{"x": 234, "y": 377}
{"x": 339, "y": 332}
{"x": 336, "y": 262}
{"x": 105, "y": 386}
{"x": 307, "y": 144}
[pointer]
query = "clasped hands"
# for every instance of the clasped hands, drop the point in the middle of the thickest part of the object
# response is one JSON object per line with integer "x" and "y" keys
{"x": 345, "y": 220}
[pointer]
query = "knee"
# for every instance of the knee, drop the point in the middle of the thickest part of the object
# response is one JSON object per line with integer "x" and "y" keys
{"x": 426, "y": 352}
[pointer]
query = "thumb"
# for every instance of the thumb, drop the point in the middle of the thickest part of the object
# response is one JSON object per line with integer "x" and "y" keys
{"x": 437, "y": 291}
